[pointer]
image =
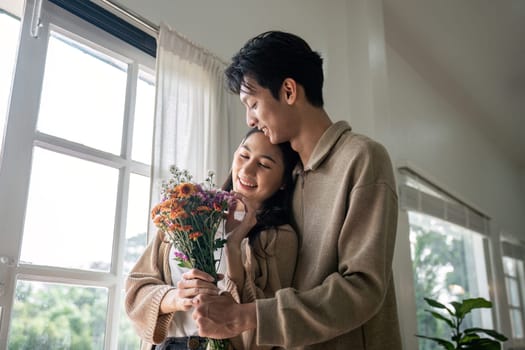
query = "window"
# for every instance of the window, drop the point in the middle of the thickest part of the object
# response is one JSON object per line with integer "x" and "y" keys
{"x": 449, "y": 251}
{"x": 9, "y": 33}
{"x": 74, "y": 182}
{"x": 514, "y": 270}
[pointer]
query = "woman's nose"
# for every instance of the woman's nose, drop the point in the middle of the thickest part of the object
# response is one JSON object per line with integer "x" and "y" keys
{"x": 249, "y": 167}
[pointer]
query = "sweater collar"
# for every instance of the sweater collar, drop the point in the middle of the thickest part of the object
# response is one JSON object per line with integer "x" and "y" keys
{"x": 325, "y": 144}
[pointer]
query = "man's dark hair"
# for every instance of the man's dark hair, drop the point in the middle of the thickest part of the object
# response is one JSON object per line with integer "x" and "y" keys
{"x": 275, "y": 210}
{"x": 273, "y": 56}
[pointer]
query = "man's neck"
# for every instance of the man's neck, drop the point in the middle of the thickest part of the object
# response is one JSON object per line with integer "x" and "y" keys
{"x": 314, "y": 122}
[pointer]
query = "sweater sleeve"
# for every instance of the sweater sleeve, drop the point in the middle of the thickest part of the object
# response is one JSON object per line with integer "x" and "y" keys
{"x": 348, "y": 297}
{"x": 268, "y": 267}
{"x": 269, "y": 264}
{"x": 146, "y": 285}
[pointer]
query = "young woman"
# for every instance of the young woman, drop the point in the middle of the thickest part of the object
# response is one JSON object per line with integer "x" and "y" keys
{"x": 260, "y": 252}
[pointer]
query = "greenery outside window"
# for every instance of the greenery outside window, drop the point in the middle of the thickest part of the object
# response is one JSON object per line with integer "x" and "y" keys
{"x": 449, "y": 252}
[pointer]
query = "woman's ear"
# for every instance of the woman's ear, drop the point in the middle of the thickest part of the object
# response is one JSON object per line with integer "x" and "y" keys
{"x": 289, "y": 90}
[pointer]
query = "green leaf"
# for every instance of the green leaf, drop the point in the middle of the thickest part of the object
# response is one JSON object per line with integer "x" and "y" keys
{"x": 490, "y": 332}
{"x": 219, "y": 243}
{"x": 475, "y": 303}
{"x": 467, "y": 338}
{"x": 458, "y": 306}
{"x": 444, "y": 343}
{"x": 441, "y": 317}
{"x": 482, "y": 344}
{"x": 435, "y": 303}
{"x": 186, "y": 264}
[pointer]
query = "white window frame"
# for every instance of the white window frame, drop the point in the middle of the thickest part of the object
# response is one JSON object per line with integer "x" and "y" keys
{"x": 442, "y": 206}
{"x": 515, "y": 250}
{"x": 15, "y": 167}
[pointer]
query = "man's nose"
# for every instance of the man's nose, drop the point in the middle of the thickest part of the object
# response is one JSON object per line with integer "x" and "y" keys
{"x": 251, "y": 121}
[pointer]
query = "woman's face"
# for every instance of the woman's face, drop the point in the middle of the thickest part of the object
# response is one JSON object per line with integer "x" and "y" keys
{"x": 257, "y": 169}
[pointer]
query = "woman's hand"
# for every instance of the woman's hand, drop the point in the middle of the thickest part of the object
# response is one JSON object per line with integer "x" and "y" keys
{"x": 238, "y": 227}
{"x": 193, "y": 283}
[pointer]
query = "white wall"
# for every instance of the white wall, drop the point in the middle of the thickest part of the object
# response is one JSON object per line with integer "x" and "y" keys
{"x": 431, "y": 133}
{"x": 224, "y": 26}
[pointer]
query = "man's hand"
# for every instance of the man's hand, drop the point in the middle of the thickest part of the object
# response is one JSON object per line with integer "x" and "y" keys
{"x": 221, "y": 317}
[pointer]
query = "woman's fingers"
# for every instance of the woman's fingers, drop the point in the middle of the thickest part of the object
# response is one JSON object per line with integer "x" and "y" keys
{"x": 184, "y": 304}
{"x": 197, "y": 274}
{"x": 195, "y": 282}
{"x": 193, "y": 292}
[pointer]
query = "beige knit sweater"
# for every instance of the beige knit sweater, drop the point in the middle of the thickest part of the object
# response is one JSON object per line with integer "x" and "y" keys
{"x": 342, "y": 295}
{"x": 268, "y": 266}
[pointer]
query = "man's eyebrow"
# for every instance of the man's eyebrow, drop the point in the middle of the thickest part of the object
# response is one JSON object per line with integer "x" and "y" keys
{"x": 270, "y": 158}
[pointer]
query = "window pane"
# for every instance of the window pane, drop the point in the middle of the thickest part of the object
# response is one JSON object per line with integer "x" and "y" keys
{"x": 517, "y": 324}
{"x": 9, "y": 33}
{"x": 83, "y": 95}
{"x": 127, "y": 337}
{"x": 446, "y": 265}
{"x": 137, "y": 220}
{"x": 143, "y": 126}
{"x": 513, "y": 292}
{"x": 71, "y": 205}
{"x": 509, "y": 266}
{"x": 57, "y": 316}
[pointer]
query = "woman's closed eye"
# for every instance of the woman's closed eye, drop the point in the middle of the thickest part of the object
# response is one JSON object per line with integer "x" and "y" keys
{"x": 259, "y": 164}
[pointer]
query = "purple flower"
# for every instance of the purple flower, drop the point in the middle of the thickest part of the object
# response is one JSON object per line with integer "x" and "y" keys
{"x": 181, "y": 256}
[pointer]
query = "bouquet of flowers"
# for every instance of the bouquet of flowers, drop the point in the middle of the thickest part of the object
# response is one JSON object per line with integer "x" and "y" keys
{"x": 190, "y": 214}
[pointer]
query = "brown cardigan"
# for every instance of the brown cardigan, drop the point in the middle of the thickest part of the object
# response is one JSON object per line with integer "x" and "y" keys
{"x": 342, "y": 295}
{"x": 268, "y": 266}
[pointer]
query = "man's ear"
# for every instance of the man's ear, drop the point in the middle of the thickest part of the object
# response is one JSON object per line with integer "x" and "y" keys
{"x": 289, "y": 90}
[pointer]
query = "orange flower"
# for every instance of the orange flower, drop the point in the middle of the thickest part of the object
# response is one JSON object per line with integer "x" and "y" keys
{"x": 155, "y": 211}
{"x": 177, "y": 213}
{"x": 185, "y": 189}
{"x": 157, "y": 220}
{"x": 203, "y": 208}
{"x": 195, "y": 235}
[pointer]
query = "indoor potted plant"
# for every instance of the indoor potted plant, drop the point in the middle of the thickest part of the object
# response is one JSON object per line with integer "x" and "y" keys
{"x": 469, "y": 338}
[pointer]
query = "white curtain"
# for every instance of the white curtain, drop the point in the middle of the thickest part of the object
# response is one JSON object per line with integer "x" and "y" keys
{"x": 194, "y": 112}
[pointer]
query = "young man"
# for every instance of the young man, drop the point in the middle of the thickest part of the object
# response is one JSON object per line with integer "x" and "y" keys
{"x": 345, "y": 212}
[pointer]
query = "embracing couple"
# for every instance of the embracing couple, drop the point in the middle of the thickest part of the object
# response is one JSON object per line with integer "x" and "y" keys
{"x": 309, "y": 264}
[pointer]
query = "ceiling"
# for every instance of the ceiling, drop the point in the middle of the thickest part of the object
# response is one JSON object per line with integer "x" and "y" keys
{"x": 473, "y": 51}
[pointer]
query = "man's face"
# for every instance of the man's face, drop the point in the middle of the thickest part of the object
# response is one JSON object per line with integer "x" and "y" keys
{"x": 266, "y": 113}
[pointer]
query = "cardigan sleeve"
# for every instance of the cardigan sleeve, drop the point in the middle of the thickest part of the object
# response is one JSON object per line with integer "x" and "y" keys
{"x": 268, "y": 266}
{"x": 146, "y": 285}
